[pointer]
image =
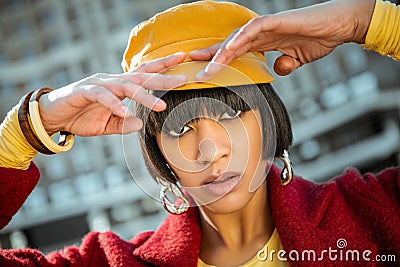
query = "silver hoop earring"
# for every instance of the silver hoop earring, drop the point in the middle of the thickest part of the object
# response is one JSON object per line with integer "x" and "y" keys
{"x": 171, "y": 171}
{"x": 181, "y": 199}
{"x": 287, "y": 172}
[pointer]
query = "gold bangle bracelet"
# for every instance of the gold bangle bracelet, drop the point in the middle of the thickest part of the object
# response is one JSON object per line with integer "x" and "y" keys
{"x": 66, "y": 139}
{"x": 26, "y": 129}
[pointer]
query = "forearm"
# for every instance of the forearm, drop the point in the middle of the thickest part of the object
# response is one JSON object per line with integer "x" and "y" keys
{"x": 383, "y": 35}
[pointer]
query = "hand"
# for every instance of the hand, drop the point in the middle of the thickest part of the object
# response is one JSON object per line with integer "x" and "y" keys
{"x": 93, "y": 105}
{"x": 302, "y": 35}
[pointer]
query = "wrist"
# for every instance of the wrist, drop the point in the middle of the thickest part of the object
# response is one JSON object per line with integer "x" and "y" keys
{"x": 32, "y": 127}
{"x": 362, "y": 19}
{"x": 45, "y": 116}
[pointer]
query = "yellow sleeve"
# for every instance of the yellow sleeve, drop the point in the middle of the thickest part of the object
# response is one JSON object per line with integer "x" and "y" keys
{"x": 15, "y": 151}
{"x": 383, "y": 34}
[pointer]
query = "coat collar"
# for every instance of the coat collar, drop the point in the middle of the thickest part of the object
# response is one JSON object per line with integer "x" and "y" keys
{"x": 315, "y": 217}
{"x": 175, "y": 243}
{"x": 304, "y": 218}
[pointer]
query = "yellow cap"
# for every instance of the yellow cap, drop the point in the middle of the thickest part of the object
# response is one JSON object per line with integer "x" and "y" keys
{"x": 188, "y": 27}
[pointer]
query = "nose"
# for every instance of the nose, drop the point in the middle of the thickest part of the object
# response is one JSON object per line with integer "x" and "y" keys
{"x": 213, "y": 141}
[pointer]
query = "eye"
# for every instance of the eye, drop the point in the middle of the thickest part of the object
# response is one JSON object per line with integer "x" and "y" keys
{"x": 179, "y": 132}
{"x": 230, "y": 114}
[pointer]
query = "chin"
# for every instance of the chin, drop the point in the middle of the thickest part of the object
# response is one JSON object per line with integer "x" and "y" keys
{"x": 230, "y": 203}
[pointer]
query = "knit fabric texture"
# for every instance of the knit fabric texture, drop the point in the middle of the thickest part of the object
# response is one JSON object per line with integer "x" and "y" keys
{"x": 364, "y": 211}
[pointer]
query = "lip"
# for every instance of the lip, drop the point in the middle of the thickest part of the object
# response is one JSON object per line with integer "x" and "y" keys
{"x": 217, "y": 178}
{"x": 223, "y": 183}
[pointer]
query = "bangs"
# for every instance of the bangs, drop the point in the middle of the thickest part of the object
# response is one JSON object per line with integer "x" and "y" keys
{"x": 191, "y": 105}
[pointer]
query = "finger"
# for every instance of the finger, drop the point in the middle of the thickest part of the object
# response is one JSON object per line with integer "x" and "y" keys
{"x": 205, "y": 53}
{"x": 285, "y": 65}
{"x": 154, "y": 81}
{"x": 161, "y": 64}
{"x": 132, "y": 90}
{"x": 208, "y": 72}
{"x": 222, "y": 58}
{"x": 213, "y": 67}
{"x": 104, "y": 97}
{"x": 142, "y": 96}
{"x": 250, "y": 32}
{"x": 118, "y": 125}
{"x": 238, "y": 43}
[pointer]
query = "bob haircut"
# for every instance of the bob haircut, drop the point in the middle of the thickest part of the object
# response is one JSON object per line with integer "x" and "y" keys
{"x": 243, "y": 98}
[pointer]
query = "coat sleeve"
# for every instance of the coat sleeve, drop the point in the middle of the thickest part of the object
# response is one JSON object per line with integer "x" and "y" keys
{"x": 97, "y": 249}
{"x": 92, "y": 252}
{"x": 388, "y": 181}
{"x": 15, "y": 187}
{"x": 375, "y": 202}
{"x": 382, "y": 189}
{"x": 386, "y": 187}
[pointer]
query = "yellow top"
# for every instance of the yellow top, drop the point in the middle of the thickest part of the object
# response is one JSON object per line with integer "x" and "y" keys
{"x": 15, "y": 151}
{"x": 384, "y": 31}
{"x": 267, "y": 256}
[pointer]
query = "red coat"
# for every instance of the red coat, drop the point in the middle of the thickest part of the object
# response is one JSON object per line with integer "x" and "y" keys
{"x": 364, "y": 211}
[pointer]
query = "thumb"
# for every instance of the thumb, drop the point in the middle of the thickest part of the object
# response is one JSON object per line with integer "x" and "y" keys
{"x": 285, "y": 65}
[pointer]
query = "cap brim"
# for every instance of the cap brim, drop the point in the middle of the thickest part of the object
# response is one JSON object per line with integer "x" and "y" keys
{"x": 242, "y": 71}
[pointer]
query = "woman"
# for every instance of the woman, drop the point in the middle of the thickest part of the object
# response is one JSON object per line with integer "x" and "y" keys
{"x": 215, "y": 140}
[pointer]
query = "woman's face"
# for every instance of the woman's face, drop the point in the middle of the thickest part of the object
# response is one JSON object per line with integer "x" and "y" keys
{"x": 218, "y": 160}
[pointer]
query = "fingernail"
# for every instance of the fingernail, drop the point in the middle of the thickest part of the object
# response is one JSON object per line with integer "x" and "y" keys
{"x": 199, "y": 76}
{"x": 229, "y": 44}
{"x": 160, "y": 104}
{"x": 207, "y": 68}
{"x": 180, "y": 77}
{"x": 179, "y": 80}
{"x": 179, "y": 53}
{"x": 212, "y": 68}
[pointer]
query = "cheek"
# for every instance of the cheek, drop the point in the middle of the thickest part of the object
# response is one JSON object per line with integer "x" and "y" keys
{"x": 187, "y": 147}
{"x": 255, "y": 138}
{"x": 246, "y": 141}
{"x": 180, "y": 154}
{"x": 188, "y": 180}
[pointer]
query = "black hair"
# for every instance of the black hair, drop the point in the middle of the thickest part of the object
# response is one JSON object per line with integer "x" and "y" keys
{"x": 243, "y": 98}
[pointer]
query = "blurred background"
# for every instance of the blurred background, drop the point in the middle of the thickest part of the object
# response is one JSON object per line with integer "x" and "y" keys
{"x": 344, "y": 109}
